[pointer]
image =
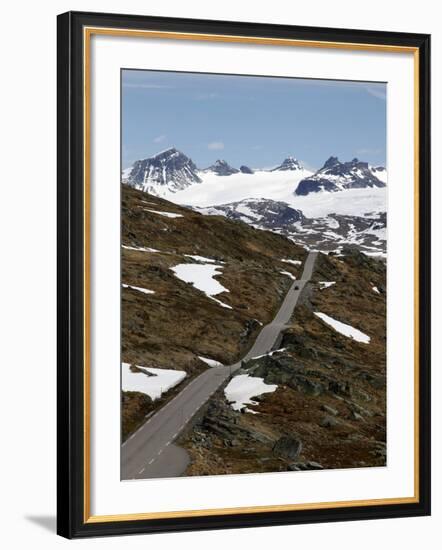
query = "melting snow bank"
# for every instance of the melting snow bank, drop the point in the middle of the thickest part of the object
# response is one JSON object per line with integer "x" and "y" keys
{"x": 375, "y": 289}
{"x": 139, "y": 248}
{"x": 294, "y": 262}
{"x": 342, "y": 328}
{"x": 269, "y": 353}
{"x": 326, "y": 284}
{"x": 166, "y": 214}
{"x": 210, "y": 362}
{"x": 242, "y": 388}
{"x": 152, "y": 382}
{"x": 382, "y": 255}
{"x": 139, "y": 289}
{"x": 200, "y": 258}
{"x": 201, "y": 276}
{"x": 288, "y": 274}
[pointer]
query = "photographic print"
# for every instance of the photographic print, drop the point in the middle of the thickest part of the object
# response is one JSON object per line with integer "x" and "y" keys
{"x": 243, "y": 274}
{"x": 253, "y": 270}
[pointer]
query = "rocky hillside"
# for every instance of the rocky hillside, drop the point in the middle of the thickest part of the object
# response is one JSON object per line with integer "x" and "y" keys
{"x": 325, "y": 405}
{"x": 194, "y": 287}
{"x": 328, "y": 233}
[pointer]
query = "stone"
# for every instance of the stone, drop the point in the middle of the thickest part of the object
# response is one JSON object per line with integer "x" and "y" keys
{"x": 288, "y": 447}
{"x": 303, "y": 466}
{"x": 328, "y": 422}
{"x": 329, "y": 410}
{"x": 356, "y": 416}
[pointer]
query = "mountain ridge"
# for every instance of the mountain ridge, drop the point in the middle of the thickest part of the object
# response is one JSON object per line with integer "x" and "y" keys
{"x": 338, "y": 176}
{"x": 171, "y": 171}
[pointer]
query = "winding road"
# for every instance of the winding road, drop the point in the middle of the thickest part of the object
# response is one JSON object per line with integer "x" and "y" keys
{"x": 150, "y": 452}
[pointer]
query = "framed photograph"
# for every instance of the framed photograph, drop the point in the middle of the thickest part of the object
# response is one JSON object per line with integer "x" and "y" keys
{"x": 243, "y": 274}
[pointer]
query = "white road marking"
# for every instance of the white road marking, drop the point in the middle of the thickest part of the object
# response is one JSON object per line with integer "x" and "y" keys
{"x": 141, "y": 471}
{"x": 160, "y": 451}
{"x": 151, "y": 460}
{"x": 168, "y": 443}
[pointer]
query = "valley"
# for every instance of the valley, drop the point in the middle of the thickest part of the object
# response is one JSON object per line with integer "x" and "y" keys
{"x": 181, "y": 324}
{"x": 197, "y": 292}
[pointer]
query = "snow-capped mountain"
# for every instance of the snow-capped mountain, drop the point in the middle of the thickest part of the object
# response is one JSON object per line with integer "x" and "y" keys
{"x": 222, "y": 168}
{"x": 327, "y": 233}
{"x": 262, "y": 213}
{"x": 169, "y": 170}
{"x": 288, "y": 199}
{"x": 290, "y": 163}
{"x": 337, "y": 176}
{"x": 380, "y": 172}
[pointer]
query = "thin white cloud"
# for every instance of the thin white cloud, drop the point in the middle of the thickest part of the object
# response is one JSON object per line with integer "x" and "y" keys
{"x": 307, "y": 165}
{"x": 146, "y": 86}
{"x": 206, "y": 96}
{"x": 368, "y": 151}
{"x": 215, "y": 146}
{"x": 159, "y": 139}
{"x": 375, "y": 91}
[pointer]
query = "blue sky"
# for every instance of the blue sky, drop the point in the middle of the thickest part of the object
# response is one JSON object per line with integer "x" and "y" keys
{"x": 257, "y": 121}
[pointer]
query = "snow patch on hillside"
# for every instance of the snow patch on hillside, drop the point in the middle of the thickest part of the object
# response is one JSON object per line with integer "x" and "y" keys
{"x": 342, "y": 328}
{"x": 152, "y": 382}
{"x": 200, "y": 258}
{"x": 201, "y": 276}
{"x": 139, "y": 289}
{"x": 139, "y": 248}
{"x": 242, "y": 388}
{"x": 210, "y": 362}
{"x": 288, "y": 274}
{"x": 165, "y": 214}
{"x": 326, "y": 284}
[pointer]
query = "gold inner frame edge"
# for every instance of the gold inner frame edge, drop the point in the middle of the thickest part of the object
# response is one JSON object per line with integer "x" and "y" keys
{"x": 87, "y": 34}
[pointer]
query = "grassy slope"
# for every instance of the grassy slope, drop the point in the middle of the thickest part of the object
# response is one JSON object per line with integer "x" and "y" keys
{"x": 170, "y": 328}
{"x": 331, "y": 390}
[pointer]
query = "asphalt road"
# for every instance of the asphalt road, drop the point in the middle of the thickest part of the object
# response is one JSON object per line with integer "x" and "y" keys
{"x": 150, "y": 452}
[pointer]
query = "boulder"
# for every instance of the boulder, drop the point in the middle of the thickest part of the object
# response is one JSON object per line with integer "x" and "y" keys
{"x": 329, "y": 422}
{"x": 288, "y": 447}
{"x": 329, "y": 410}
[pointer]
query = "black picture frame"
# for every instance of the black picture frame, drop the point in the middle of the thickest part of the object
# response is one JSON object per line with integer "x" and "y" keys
{"x": 72, "y": 518}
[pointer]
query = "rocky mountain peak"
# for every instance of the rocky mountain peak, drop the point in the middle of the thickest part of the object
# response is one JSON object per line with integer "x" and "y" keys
{"x": 222, "y": 168}
{"x": 337, "y": 176}
{"x": 331, "y": 161}
{"x": 168, "y": 170}
{"x": 290, "y": 163}
{"x": 246, "y": 170}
